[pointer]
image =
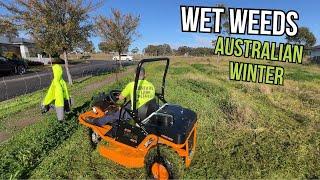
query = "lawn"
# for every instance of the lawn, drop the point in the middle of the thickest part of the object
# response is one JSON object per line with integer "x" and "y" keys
{"x": 245, "y": 130}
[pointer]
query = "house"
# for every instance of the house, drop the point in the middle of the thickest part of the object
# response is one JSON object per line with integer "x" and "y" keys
{"x": 19, "y": 46}
{"x": 315, "y": 53}
{"x": 23, "y": 48}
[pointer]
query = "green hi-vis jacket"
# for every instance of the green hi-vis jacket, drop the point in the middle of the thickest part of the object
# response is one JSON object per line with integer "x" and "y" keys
{"x": 58, "y": 91}
{"x": 145, "y": 92}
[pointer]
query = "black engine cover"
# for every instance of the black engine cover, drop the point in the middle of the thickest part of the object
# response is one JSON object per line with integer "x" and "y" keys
{"x": 172, "y": 122}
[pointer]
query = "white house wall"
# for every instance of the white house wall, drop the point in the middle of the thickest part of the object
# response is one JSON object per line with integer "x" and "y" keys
{"x": 24, "y": 51}
{"x": 315, "y": 53}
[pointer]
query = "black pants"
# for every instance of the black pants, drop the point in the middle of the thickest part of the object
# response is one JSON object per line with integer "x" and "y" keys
{"x": 111, "y": 117}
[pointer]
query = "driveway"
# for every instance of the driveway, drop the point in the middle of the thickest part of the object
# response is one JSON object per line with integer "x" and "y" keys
{"x": 12, "y": 86}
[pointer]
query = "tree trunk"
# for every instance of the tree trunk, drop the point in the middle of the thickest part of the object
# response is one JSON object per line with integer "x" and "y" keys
{"x": 66, "y": 65}
{"x": 50, "y": 58}
{"x": 120, "y": 64}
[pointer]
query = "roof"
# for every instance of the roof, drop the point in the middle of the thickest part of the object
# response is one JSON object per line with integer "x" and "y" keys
{"x": 6, "y": 40}
{"x": 315, "y": 47}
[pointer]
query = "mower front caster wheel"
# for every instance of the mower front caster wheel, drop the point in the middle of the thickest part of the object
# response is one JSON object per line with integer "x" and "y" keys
{"x": 164, "y": 163}
{"x": 94, "y": 138}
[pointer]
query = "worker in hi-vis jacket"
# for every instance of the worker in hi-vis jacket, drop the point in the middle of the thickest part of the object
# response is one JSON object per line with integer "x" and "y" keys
{"x": 57, "y": 96}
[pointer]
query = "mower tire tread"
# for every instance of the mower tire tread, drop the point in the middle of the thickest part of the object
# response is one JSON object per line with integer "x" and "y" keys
{"x": 170, "y": 159}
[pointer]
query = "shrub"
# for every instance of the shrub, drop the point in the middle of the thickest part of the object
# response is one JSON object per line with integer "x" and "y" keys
{"x": 85, "y": 57}
{"x": 10, "y": 55}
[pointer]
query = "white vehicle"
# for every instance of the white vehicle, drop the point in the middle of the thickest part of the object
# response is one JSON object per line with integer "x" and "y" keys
{"x": 123, "y": 57}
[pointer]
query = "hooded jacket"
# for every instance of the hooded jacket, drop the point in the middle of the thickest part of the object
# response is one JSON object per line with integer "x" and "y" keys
{"x": 58, "y": 91}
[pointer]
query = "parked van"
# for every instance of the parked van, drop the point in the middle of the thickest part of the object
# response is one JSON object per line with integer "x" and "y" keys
{"x": 124, "y": 57}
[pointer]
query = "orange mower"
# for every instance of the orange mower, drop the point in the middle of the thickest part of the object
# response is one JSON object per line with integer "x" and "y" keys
{"x": 158, "y": 136}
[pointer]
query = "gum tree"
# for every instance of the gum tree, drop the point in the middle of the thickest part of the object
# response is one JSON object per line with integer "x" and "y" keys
{"x": 304, "y": 37}
{"x": 87, "y": 47}
{"x": 105, "y": 47}
{"x": 57, "y": 26}
{"x": 118, "y": 31}
{"x": 135, "y": 50}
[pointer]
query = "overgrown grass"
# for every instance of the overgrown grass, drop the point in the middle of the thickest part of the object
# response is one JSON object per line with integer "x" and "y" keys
{"x": 245, "y": 130}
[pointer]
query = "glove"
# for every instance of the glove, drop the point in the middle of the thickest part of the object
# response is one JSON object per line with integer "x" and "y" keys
{"x": 44, "y": 108}
{"x": 67, "y": 105}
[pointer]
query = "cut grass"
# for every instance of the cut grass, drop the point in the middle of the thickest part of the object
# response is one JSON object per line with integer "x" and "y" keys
{"x": 16, "y": 109}
{"x": 245, "y": 130}
{"x": 23, "y": 153}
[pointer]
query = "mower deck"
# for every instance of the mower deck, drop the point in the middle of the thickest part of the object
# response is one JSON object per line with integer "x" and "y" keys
{"x": 124, "y": 156}
{"x": 130, "y": 157}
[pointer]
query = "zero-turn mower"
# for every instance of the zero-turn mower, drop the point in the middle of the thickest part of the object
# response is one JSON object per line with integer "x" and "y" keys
{"x": 162, "y": 138}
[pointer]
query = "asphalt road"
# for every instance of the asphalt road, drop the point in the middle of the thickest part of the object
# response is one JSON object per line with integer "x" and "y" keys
{"x": 12, "y": 86}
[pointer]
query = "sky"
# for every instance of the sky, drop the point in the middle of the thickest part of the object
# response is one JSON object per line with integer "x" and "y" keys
{"x": 160, "y": 20}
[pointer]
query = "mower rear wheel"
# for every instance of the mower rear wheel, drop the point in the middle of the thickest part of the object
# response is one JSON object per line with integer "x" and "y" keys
{"x": 164, "y": 163}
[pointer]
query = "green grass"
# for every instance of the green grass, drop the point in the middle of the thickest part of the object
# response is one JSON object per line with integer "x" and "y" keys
{"x": 303, "y": 75}
{"x": 10, "y": 109}
{"x": 29, "y": 146}
{"x": 245, "y": 130}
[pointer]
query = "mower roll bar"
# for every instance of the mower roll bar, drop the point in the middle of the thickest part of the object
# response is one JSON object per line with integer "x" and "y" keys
{"x": 160, "y": 95}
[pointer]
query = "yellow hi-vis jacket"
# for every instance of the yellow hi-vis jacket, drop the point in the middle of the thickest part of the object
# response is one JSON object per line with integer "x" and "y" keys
{"x": 58, "y": 91}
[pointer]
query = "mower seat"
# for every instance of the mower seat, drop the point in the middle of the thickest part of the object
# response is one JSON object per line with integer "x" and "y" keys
{"x": 147, "y": 109}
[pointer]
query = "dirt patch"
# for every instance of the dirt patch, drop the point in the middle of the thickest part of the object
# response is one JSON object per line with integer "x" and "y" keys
{"x": 4, "y": 136}
{"x": 235, "y": 113}
{"x": 26, "y": 121}
{"x": 265, "y": 89}
{"x": 14, "y": 125}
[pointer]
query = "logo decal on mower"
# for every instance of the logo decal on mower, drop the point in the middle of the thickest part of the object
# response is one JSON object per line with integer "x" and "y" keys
{"x": 148, "y": 143}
